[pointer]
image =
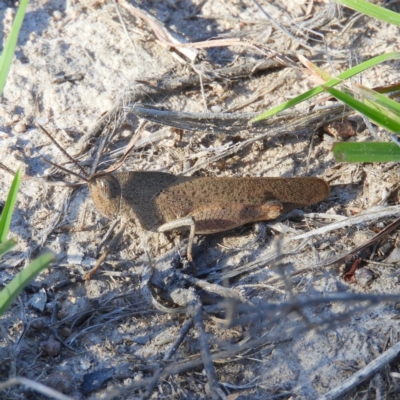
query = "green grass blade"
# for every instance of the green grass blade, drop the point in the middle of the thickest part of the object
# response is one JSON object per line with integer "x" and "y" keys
{"x": 375, "y": 113}
{"x": 14, "y": 288}
{"x": 332, "y": 82}
{"x": 9, "y": 48}
{"x": 378, "y": 98}
{"x": 6, "y": 215}
{"x": 366, "y": 152}
{"x": 7, "y": 246}
{"x": 372, "y": 10}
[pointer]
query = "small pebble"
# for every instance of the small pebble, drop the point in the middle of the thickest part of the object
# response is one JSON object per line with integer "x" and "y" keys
{"x": 20, "y": 127}
{"x": 364, "y": 276}
{"x": 61, "y": 381}
{"x": 38, "y": 324}
{"x": 57, "y": 15}
{"x": 38, "y": 300}
{"x": 64, "y": 332}
{"x": 216, "y": 109}
{"x": 141, "y": 339}
{"x": 394, "y": 256}
{"x": 85, "y": 364}
{"x": 43, "y": 120}
{"x": 50, "y": 347}
{"x": 360, "y": 237}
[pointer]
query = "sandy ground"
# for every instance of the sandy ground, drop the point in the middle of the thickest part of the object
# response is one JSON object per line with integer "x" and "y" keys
{"x": 107, "y": 325}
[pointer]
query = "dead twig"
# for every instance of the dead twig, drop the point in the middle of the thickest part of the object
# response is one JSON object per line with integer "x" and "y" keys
{"x": 369, "y": 215}
{"x": 162, "y": 87}
{"x": 167, "y": 39}
{"x": 38, "y": 387}
{"x": 278, "y": 311}
{"x": 195, "y": 311}
{"x": 363, "y": 374}
{"x": 342, "y": 257}
{"x": 266, "y": 313}
{"x": 281, "y": 27}
{"x": 170, "y": 353}
{"x": 114, "y": 242}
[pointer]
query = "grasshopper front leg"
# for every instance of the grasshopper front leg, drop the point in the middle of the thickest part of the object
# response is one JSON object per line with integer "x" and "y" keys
{"x": 219, "y": 217}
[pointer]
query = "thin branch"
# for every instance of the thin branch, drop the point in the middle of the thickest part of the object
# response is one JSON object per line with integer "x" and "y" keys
{"x": 363, "y": 374}
{"x": 367, "y": 216}
{"x": 38, "y": 387}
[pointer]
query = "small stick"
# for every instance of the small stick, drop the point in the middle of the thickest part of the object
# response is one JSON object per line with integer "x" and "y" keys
{"x": 129, "y": 147}
{"x": 195, "y": 310}
{"x": 121, "y": 20}
{"x": 213, "y": 288}
{"x": 167, "y": 39}
{"x": 108, "y": 250}
{"x": 106, "y": 236}
{"x": 170, "y": 353}
{"x": 342, "y": 257}
{"x": 39, "y": 387}
{"x": 263, "y": 340}
{"x": 369, "y": 215}
{"x": 282, "y": 28}
{"x": 363, "y": 374}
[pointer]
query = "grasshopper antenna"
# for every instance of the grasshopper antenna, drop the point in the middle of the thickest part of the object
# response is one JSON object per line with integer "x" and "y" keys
{"x": 65, "y": 169}
{"x": 84, "y": 175}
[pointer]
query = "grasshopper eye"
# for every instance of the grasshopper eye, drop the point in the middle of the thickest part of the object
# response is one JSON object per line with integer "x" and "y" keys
{"x": 105, "y": 187}
{"x": 106, "y": 194}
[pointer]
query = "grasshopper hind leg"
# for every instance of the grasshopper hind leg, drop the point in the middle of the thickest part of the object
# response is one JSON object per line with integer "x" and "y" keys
{"x": 216, "y": 218}
{"x": 223, "y": 217}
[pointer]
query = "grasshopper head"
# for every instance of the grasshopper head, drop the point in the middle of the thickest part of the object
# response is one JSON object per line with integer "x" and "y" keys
{"x": 106, "y": 194}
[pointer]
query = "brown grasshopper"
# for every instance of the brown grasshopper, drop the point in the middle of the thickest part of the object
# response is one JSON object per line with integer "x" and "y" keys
{"x": 159, "y": 201}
